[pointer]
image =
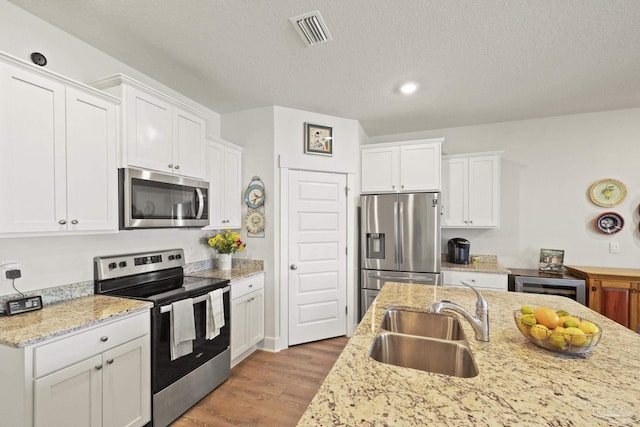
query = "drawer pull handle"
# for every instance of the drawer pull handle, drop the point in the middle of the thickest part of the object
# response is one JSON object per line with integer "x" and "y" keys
{"x": 109, "y": 361}
{"x": 104, "y": 339}
{"x": 98, "y": 367}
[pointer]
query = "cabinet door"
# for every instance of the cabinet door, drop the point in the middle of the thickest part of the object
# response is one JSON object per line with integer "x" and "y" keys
{"x": 32, "y": 152}
{"x": 70, "y": 397}
{"x": 126, "y": 374}
{"x": 188, "y": 150}
{"x": 484, "y": 191}
{"x": 232, "y": 188}
{"x": 214, "y": 153}
{"x": 148, "y": 131}
{"x": 255, "y": 317}
{"x": 455, "y": 192}
{"x": 239, "y": 334}
{"x": 420, "y": 167}
{"x": 615, "y": 300}
{"x": 92, "y": 193}
{"x": 380, "y": 169}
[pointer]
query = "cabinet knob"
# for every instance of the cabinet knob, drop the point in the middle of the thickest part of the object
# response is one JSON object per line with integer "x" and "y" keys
{"x": 110, "y": 361}
{"x": 170, "y": 165}
{"x": 393, "y": 187}
{"x": 402, "y": 186}
{"x": 251, "y": 286}
{"x": 470, "y": 222}
{"x": 177, "y": 167}
{"x": 633, "y": 291}
{"x": 74, "y": 221}
{"x": 62, "y": 222}
{"x": 98, "y": 367}
{"x": 293, "y": 267}
{"x": 593, "y": 289}
{"x": 104, "y": 339}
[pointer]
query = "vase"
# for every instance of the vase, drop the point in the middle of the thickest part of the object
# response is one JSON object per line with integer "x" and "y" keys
{"x": 224, "y": 261}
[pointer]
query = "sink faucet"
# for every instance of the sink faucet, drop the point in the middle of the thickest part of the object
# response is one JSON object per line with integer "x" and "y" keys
{"x": 480, "y": 322}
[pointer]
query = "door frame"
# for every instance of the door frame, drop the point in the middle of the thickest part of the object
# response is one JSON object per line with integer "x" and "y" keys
{"x": 352, "y": 256}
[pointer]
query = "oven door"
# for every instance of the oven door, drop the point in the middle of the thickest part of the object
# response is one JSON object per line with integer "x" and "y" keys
{"x": 166, "y": 371}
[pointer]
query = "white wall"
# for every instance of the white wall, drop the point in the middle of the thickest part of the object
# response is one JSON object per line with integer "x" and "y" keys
{"x": 53, "y": 261}
{"x": 273, "y": 140}
{"x": 547, "y": 169}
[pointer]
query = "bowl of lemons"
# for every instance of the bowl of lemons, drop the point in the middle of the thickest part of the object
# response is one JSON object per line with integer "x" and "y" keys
{"x": 557, "y": 330}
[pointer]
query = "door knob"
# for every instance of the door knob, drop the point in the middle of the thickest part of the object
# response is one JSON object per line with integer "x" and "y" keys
{"x": 293, "y": 267}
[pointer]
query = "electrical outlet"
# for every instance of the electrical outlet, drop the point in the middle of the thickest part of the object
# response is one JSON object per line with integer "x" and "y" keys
{"x": 614, "y": 247}
{"x": 6, "y": 266}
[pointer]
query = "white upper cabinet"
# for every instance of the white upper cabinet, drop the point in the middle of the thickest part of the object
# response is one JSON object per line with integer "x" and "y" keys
{"x": 224, "y": 173}
{"x": 471, "y": 191}
{"x": 159, "y": 132}
{"x": 58, "y": 140}
{"x": 401, "y": 167}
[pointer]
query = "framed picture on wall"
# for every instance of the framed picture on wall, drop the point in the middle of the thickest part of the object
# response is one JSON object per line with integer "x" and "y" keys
{"x": 551, "y": 260}
{"x": 318, "y": 139}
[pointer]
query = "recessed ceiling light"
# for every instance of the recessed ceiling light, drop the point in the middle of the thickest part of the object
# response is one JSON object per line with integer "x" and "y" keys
{"x": 408, "y": 88}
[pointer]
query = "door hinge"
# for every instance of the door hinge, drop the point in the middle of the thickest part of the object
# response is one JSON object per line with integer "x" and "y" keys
{"x": 346, "y": 191}
{"x": 346, "y": 309}
{"x": 346, "y": 250}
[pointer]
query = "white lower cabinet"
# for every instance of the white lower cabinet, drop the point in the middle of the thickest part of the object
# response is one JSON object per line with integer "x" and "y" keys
{"x": 247, "y": 316}
{"x": 95, "y": 377}
{"x": 477, "y": 279}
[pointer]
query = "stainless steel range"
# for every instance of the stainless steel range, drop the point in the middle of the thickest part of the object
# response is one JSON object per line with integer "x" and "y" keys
{"x": 158, "y": 277}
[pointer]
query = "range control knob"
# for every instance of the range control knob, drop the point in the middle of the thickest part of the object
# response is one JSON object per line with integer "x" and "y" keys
{"x": 172, "y": 257}
{"x": 123, "y": 264}
{"x": 178, "y": 256}
{"x": 112, "y": 265}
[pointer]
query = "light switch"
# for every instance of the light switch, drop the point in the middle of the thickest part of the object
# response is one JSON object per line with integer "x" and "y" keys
{"x": 614, "y": 247}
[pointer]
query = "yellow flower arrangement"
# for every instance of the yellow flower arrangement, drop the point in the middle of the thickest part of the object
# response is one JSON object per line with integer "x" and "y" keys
{"x": 228, "y": 242}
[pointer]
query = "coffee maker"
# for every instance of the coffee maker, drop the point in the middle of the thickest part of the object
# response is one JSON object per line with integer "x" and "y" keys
{"x": 458, "y": 250}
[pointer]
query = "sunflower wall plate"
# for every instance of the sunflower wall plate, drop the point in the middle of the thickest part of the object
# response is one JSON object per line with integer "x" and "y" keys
{"x": 607, "y": 192}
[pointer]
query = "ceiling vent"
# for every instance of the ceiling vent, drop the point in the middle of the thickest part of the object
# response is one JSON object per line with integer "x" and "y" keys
{"x": 311, "y": 28}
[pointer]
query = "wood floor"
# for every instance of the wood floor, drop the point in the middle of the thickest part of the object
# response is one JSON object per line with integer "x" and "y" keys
{"x": 267, "y": 389}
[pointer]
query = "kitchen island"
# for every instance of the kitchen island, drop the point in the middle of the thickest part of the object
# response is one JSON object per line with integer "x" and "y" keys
{"x": 518, "y": 383}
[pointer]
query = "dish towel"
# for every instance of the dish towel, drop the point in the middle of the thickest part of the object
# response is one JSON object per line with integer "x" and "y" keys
{"x": 215, "y": 313}
{"x": 182, "y": 328}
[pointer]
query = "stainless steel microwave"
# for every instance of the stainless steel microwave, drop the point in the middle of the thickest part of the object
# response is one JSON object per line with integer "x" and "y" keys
{"x": 155, "y": 200}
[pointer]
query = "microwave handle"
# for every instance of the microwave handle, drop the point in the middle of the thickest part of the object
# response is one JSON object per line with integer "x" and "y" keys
{"x": 200, "y": 203}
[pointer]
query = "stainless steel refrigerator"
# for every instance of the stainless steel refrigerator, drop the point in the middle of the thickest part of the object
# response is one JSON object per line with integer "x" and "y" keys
{"x": 399, "y": 241}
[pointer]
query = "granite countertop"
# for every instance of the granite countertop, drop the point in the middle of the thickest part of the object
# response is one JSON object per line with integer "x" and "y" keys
{"x": 487, "y": 264}
{"x": 519, "y": 383}
{"x": 62, "y": 318}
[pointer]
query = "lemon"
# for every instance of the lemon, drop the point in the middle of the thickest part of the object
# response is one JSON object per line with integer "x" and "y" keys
{"x": 539, "y": 332}
{"x": 526, "y": 309}
{"x": 556, "y": 339}
{"x": 559, "y": 329}
{"x": 588, "y": 327}
{"x": 574, "y": 336}
{"x": 528, "y": 319}
{"x": 563, "y": 313}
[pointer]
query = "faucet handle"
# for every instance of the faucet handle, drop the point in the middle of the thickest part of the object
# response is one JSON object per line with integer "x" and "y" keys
{"x": 481, "y": 303}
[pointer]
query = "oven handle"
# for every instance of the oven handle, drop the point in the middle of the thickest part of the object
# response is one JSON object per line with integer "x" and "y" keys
{"x": 196, "y": 300}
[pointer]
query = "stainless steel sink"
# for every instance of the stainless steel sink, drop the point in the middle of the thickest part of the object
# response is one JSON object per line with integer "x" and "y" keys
{"x": 431, "y": 355}
{"x": 422, "y": 323}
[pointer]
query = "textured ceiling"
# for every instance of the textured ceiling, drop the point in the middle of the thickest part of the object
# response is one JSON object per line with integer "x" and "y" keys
{"x": 476, "y": 61}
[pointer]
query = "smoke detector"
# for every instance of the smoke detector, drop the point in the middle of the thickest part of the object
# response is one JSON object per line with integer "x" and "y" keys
{"x": 311, "y": 28}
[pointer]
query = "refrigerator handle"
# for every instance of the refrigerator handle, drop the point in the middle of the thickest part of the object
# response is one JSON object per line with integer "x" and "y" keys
{"x": 396, "y": 231}
{"x": 401, "y": 234}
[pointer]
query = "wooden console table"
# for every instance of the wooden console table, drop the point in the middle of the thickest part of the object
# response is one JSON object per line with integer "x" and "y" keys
{"x": 613, "y": 292}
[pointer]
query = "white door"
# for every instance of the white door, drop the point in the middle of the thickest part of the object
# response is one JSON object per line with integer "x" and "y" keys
{"x": 317, "y": 256}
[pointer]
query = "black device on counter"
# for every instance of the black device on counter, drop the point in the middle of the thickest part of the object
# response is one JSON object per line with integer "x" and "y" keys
{"x": 458, "y": 250}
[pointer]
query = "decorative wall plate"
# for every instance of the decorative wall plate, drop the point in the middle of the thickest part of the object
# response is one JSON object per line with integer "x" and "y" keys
{"x": 609, "y": 223}
{"x": 607, "y": 192}
{"x": 254, "y": 196}
{"x": 254, "y": 221}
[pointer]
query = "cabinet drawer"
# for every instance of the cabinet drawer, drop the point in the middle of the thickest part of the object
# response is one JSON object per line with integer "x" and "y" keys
{"x": 243, "y": 287}
{"x": 66, "y": 351}
{"x": 493, "y": 281}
